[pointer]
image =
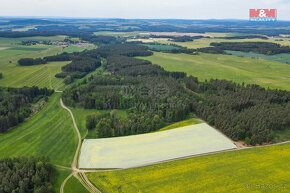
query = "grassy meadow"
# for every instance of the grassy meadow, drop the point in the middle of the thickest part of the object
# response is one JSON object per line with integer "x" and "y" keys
{"x": 36, "y": 75}
{"x": 264, "y": 169}
{"x": 73, "y": 185}
{"x": 71, "y": 49}
{"x": 284, "y": 58}
{"x": 239, "y": 69}
{"x": 59, "y": 176}
{"x": 48, "y": 133}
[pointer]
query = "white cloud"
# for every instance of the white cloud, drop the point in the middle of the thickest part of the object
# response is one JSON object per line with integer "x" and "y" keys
{"x": 187, "y": 9}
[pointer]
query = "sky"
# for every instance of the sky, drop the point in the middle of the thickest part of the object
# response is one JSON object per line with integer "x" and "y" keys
{"x": 145, "y": 9}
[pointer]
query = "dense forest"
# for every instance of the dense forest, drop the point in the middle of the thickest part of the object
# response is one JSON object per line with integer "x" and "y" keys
{"x": 154, "y": 97}
{"x": 26, "y": 175}
{"x": 249, "y": 113}
{"x": 16, "y": 104}
{"x": 147, "y": 91}
{"x": 266, "y": 48}
{"x": 100, "y": 39}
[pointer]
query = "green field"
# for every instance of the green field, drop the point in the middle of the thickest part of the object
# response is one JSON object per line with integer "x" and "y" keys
{"x": 37, "y": 75}
{"x": 285, "y": 58}
{"x": 205, "y": 66}
{"x": 71, "y": 49}
{"x": 73, "y": 185}
{"x": 48, "y": 133}
{"x": 59, "y": 176}
{"x": 13, "y": 54}
{"x": 22, "y": 50}
{"x": 251, "y": 170}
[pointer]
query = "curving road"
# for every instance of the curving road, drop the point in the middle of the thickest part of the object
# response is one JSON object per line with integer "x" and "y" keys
{"x": 75, "y": 170}
{"x": 89, "y": 186}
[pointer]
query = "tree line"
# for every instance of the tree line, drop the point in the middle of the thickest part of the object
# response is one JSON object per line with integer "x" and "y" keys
{"x": 184, "y": 38}
{"x": 266, "y": 48}
{"x": 16, "y": 104}
{"x": 244, "y": 37}
{"x": 26, "y": 175}
{"x": 243, "y": 112}
{"x": 31, "y": 61}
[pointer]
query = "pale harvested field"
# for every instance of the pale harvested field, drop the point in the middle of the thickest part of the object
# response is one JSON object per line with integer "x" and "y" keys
{"x": 150, "y": 40}
{"x": 130, "y": 151}
{"x": 178, "y": 34}
{"x": 3, "y": 48}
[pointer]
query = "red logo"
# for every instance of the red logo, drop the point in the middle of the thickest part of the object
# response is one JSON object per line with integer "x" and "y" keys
{"x": 263, "y": 14}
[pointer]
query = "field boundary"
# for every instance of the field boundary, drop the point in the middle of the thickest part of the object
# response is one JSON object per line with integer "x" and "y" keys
{"x": 93, "y": 189}
{"x": 83, "y": 179}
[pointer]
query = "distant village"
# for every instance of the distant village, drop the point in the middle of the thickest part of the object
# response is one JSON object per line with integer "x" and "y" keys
{"x": 65, "y": 42}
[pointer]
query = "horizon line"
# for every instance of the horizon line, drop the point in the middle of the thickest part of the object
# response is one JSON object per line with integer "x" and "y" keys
{"x": 71, "y": 17}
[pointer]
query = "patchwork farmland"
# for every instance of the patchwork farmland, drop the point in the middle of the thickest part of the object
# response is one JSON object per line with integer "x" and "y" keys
{"x": 135, "y": 109}
{"x": 238, "y": 69}
{"x": 131, "y": 151}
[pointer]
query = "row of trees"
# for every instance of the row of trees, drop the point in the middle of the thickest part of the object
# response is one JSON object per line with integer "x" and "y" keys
{"x": 267, "y": 48}
{"x": 100, "y": 39}
{"x": 31, "y": 61}
{"x": 16, "y": 104}
{"x": 244, "y": 37}
{"x": 82, "y": 64}
{"x": 26, "y": 175}
{"x": 184, "y": 38}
